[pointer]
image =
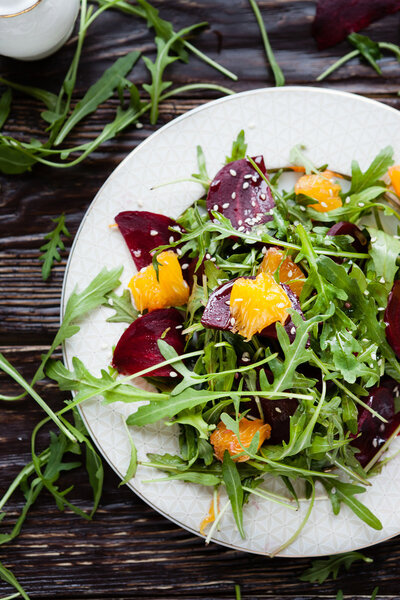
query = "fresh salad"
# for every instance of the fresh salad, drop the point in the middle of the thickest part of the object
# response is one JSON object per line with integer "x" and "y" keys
{"x": 268, "y": 321}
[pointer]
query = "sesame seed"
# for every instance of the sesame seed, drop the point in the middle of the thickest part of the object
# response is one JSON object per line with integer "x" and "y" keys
{"x": 241, "y": 228}
{"x": 290, "y": 273}
{"x": 264, "y": 250}
{"x": 246, "y": 357}
{"x": 380, "y": 308}
{"x": 232, "y": 172}
{"x": 280, "y": 305}
{"x": 271, "y": 212}
{"x": 179, "y": 327}
{"x": 382, "y": 280}
{"x": 208, "y": 256}
{"x": 238, "y": 299}
{"x": 137, "y": 253}
{"x": 173, "y": 374}
{"x": 278, "y": 410}
{"x": 263, "y": 196}
{"x": 171, "y": 239}
{"x": 331, "y": 193}
{"x": 215, "y": 207}
{"x": 233, "y": 195}
{"x": 139, "y": 125}
{"x": 361, "y": 204}
{"x": 226, "y": 205}
{"x": 254, "y": 178}
{"x": 258, "y": 159}
{"x": 179, "y": 252}
{"x": 302, "y": 208}
{"x": 347, "y": 200}
{"x": 213, "y": 259}
{"x": 143, "y": 269}
{"x": 153, "y": 232}
{"x": 248, "y": 176}
{"x": 245, "y": 185}
{"x": 233, "y": 320}
{"x": 227, "y": 302}
{"x": 373, "y": 355}
{"x": 382, "y": 427}
{"x": 240, "y": 222}
{"x": 185, "y": 266}
{"x": 253, "y": 203}
{"x": 374, "y": 442}
{"x": 324, "y": 204}
{"x": 139, "y": 203}
{"x": 373, "y": 240}
{"x": 366, "y": 293}
{"x": 293, "y": 330}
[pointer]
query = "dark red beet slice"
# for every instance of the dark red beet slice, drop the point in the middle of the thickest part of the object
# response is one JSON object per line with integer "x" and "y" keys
{"x": 241, "y": 194}
{"x": 373, "y": 432}
{"x": 392, "y": 318}
{"x": 137, "y": 348}
{"x": 360, "y": 243}
{"x": 335, "y": 19}
{"x": 143, "y": 231}
{"x": 217, "y": 315}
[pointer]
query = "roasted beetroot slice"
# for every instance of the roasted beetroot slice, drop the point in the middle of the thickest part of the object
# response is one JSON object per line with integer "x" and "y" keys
{"x": 143, "y": 231}
{"x": 373, "y": 432}
{"x": 217, "y": 315}
{"x": 360, "y": 243}
{"x": 392, "y": 318}
{"x": 137, "y": 348}
{"x": 239, "y": 193}
{"x": 277, "y": 413}
{"x": 335, "y": 19}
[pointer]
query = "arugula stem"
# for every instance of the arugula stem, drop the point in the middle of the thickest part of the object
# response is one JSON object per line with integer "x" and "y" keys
{"x": 277, "y": 71}
{"x": 216, "y": 522}
{"x": 209, "y": 61}
{"x": 303, "y": 524}
{"x": 391, "y": 47}
{"x": 382, "y": 449}
{"x": 25, "y": 472}
{"x": 7, "y": 368}
{"x": 338, "y": 64}
{"x": 267, "y": 496}
{"x": 347, "y": 470}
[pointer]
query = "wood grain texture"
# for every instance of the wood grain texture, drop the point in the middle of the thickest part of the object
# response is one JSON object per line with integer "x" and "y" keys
{"x": 129, "y": 551}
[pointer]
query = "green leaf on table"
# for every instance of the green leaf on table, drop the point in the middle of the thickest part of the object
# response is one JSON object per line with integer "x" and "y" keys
{"x": 277, "y": 71}
{"x": 12, "y": 160}
{"x": 9, "y": 577}
{"x": 234, "y": 490}
{"x": 157, "y": 68}
{"x": 53, "y": 245}
{"x": 5, "y": 105}
{"x": 384, "y": 251}
{"x": 368, "y": 48}
{"x": 377, "y": 169}
{"x": 239, "y": 148}
{"x": 125, "y": 312}
{"x": 48, "y": 98}
{"x": 323, "y": 569}
{"x": 99, "y": 92}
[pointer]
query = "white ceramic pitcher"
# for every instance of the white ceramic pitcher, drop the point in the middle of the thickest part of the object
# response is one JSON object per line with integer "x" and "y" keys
{"x": 33, "y": 29}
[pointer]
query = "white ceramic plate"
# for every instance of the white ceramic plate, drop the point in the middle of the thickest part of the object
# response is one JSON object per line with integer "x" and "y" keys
{"x": 335, "y": 127}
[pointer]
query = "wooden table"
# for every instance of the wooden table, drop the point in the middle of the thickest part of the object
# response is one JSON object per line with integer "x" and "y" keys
{"x": 129, "y": 550}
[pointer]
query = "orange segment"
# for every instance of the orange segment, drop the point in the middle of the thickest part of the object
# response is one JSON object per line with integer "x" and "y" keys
{"x": 170, "y": 289}
{"x": 394, "y": 174}
{"x": 287, "y": 271}
{"x": 210, "y": 518}
{"x": 224, "y": 439}
{"x": 320, "y": 187}
{"x": 256, "y": 303}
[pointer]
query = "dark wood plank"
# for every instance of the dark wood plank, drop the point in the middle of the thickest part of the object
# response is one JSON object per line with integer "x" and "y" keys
{"x": 129, "y": 551}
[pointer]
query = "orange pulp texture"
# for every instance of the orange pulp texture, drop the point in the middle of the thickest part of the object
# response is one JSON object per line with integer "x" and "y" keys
{"x": 170, "y": 289}
{"x": 224, "y": 439}
{"x": 394, "y": 174}
{"x": 322, "y": 188}
{"x": 287, "y": 271}
{"x": 256, "y": 303}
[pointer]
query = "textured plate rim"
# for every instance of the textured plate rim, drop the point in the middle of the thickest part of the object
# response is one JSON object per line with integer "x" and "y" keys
{"x": 113, "y": 174}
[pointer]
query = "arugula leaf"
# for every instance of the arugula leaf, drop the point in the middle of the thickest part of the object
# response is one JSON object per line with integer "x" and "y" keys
{"x": 125, "y": 312}
{"x": 277, "y": 71}
{"x": 322, "y": 569}
{"x": 7, "y": 576}
{"x": 157, "y": 68}
{"x": 368, "y": 49}
{"x": 48, "y": 98}
{"x": 12, "y": 161}
{"x": 234, "y": 490}
{"x": 298, "y": 158}
{"x": 384, "y": 251}
{"x": 239, "y": 148}
{"x": 345, "y": 492}
{"x": 5, "y": 105}
{"x": 52, "y": 247}
{"x": 379, "y": 166}
{"x": 202, "y": 175}
{"x": 99, "y": 92}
